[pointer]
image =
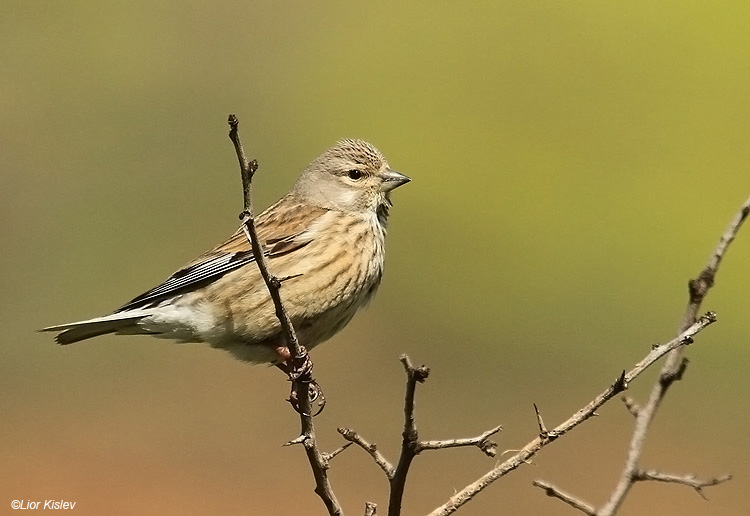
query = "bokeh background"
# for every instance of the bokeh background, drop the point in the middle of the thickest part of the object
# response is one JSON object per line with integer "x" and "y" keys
{"x": 573, "y": 166}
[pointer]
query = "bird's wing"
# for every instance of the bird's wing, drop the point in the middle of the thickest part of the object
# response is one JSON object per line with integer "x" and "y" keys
{"x": 281, "y": 228}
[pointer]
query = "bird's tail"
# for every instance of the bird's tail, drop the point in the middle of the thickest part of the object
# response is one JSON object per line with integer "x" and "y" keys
{"x": 122, "y": 322}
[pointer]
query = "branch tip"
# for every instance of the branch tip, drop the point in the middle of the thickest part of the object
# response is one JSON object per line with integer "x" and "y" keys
{"x": 419, "y": 373}
{"x": 689, "y": 480}
{"x": 555, "y": 492}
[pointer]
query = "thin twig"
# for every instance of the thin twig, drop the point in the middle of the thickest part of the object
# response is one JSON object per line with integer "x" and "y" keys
{"x": 329, "y": 456}
{"x": 372, "y": 449}
{"x": 571, "y": 500}
{"x": 686, "y": 480}
{"x": 533, "y": 447}
{"x": 481, "y": 441}
{"x": 673, "y": 367}
{"x": 248, "y": 169}
{"x": 410, "y": 440}
{"x": 302, "y": 369}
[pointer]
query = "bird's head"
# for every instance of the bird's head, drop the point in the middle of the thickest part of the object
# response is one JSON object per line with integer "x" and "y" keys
{"x": 352, "y": 176}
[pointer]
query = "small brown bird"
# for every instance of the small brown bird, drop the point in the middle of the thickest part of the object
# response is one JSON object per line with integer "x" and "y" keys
{"x": 327, "y": 234}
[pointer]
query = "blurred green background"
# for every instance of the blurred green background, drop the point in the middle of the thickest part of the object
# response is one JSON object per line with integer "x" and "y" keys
{"x": 573, "y": 166}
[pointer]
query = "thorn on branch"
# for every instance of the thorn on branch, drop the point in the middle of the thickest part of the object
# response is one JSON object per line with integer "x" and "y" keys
{"x": 620, "y": 384}
{"x": 286, "y": 278}
{"x": 544, "y": 434}
{"x": 296, "y": 440}
{"x": 554, "y": 492}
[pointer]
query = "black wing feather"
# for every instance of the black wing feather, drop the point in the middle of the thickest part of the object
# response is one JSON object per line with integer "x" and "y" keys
{"x": 191, "y": 277}
{"x": 201, "y": 273}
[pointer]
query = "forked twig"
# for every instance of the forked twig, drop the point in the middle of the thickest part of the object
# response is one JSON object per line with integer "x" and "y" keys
{"x": 673, "y": 367}
{"x": 410, "y": 435}
{"x": 411, "y": 446}
{"x": 532, "y": 448}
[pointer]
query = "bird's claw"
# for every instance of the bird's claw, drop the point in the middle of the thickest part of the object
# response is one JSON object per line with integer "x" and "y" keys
{"x": 314, "y": 393}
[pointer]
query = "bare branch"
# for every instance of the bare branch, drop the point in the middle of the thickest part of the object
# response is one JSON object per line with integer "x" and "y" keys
{"x": 410, "y": 440}
{"x": 354, "y": 438}
{"x": 674, "y": 366}
{"x": 533, "y": 447}
{"x": 571, "y": 500}
{"x": 248, "y": 169}
{"x": 686, "y": 480}
{"x": 481, "y": 441}
{"x": 301, "y": 373}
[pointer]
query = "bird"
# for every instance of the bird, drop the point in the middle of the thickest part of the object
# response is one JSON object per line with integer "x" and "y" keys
{"x": 326, "y": 237}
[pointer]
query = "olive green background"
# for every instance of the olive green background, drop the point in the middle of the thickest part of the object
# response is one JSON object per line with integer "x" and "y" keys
{"x": 573, "y": 165}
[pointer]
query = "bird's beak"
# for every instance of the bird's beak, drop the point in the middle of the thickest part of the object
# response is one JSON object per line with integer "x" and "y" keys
{"x": 392, "y": 179}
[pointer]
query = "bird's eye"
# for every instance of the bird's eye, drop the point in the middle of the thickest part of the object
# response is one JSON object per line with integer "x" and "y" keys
{"x": 355, "y": 175}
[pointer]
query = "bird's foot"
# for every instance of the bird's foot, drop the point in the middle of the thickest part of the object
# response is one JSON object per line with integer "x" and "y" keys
{"x": 314, "y": 393}
{"x": 299, "y": 370}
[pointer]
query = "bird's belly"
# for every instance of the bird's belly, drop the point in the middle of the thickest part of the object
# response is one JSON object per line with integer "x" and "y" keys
{"x": 184, "y": 319}
{"x": 236, "y": 313}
